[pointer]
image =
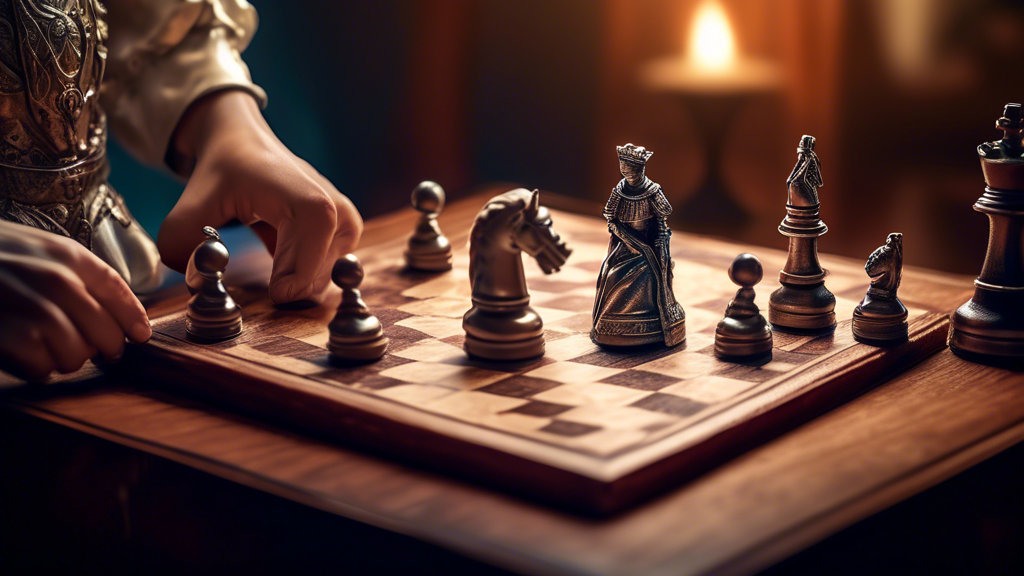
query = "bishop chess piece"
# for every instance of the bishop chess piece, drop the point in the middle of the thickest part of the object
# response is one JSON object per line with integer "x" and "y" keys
{"x": 881, "y": 318}
{"x": 990, "y": 326}
{"x": 356, "y": 334}
{"x": 501, "y": 325}
{"x": 743, "y": 333}
{"x": 429, "y": 250}
{"x": 635, "y": 304}
{"x": 211, "y": 315}
{"x": 803, "y": 304}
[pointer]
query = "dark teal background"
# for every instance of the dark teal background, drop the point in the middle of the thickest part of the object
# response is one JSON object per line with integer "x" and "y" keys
{"x": 334, "y": 74}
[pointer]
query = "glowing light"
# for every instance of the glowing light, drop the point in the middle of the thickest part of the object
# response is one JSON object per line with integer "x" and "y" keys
{"x": 711, "y": 41}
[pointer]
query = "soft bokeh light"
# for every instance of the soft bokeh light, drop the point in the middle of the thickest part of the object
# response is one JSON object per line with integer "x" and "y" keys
{"x": 711, "y": 38}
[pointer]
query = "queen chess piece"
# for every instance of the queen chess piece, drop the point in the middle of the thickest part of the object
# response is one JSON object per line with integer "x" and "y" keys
{"x": 355, "y": 333}
{"x": 501, "y": 325}
{"x": 803, "y": 303}
{"x": 743, "y": 333}
{"x": 990, "y": 326}
{"x": 429, "y": 250}
{"x": 211, "y": 314}
{"x": 635, "y": 304}
{"x": 881, "y": 318}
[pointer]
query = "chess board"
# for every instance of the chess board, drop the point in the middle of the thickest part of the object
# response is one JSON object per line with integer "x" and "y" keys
{"x": 589, "y": 429}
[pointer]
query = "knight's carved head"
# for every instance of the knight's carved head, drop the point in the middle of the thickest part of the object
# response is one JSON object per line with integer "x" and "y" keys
{"x": 885, "y": 265}
{"x": 632, "y": 161}
{"x": 536, "y": 236}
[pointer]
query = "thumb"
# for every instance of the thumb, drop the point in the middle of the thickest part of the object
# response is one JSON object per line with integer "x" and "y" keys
{"x": 182, "y": 229}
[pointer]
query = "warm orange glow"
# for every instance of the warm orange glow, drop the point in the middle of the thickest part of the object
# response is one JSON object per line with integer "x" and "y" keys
{"x": 711, "y": 42}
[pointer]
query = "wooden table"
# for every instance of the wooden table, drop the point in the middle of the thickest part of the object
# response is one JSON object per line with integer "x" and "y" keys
{"x": 905, "y": 435}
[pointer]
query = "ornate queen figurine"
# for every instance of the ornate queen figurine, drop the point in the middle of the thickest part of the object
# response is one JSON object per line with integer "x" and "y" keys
{"x": 635, "y": 304}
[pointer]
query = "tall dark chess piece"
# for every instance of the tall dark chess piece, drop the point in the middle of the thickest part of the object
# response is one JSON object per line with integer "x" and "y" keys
{"x": 635, "y": 304}
{"x": 881, "y": 318}
{"x": 743, "y": 333}
{"x": 990, "y": 326}
{"x": 429, "y": 250}
{"x": 501, "y": 325}
{"x": 803, "y": 304}
{"x": 355, "y": 333}
{"x": 212, "y": 314}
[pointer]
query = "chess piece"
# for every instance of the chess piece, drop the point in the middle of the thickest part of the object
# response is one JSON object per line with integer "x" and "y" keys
{"x": 881, "y": 318}
{"x": 990, "y": 326}
{"x": 501, "y": 325}
{"x": 743, "y": 333}
{"x": 803, "y": 303}
{"x": 428, "y": 250}
{"x": 211, "y": 314}
{"x": 355, "y": 333}
{"x": 635, "y": 304}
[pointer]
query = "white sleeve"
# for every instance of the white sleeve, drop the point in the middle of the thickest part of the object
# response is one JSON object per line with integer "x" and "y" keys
{"x": 163, "y": 55}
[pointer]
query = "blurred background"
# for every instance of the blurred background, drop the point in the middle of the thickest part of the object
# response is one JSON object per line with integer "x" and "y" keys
{"x": 380, "y": 95}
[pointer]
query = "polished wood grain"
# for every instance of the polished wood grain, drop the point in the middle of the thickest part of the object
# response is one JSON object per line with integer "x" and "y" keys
{"x": 922, "y": 426}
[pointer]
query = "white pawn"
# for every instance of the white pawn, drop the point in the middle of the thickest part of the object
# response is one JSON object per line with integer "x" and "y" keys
{"x": 355, "y": 333}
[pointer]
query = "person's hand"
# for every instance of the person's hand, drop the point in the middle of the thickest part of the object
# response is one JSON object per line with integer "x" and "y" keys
{"x": 60, "y": 305}
{"x": 243, "y": 172}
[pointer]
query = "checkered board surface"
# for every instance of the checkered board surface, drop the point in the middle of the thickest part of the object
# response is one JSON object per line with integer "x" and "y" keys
{"x": 592, "y": 413}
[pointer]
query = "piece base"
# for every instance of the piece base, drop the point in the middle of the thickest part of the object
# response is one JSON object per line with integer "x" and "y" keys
{"x": 989, "y": 325}
{"x": 506, "y": 350}
{"x": 879, "y": 330}
{"x": 207, "y": 333}
{"x": 677, "y": 331}
{"x": 732, "y": 347}
{"x": 436, "y": 262}
{"x": 802, "y": 309}
{"x": 802, "y": 323}
{"x": 360, "y": 351}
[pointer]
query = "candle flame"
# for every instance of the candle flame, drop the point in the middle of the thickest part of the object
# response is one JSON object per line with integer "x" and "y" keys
{"x": 711, "y": 42}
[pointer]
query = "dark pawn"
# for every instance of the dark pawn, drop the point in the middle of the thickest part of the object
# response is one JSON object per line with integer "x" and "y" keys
{"x": 429, "y": 250}
{"x": 990, "y": 326}
{"x": 212, "y": 314}
{"x": 881, "y": 318}
{"x": 355, "y": 333}
{"x": 743, "y": 333}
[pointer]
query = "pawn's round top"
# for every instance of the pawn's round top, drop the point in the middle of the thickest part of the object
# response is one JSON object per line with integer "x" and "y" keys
{"x": 428, "y": 197}
{"x": 347, "y": 272}
{"x": 211, "y": 256}
{"x": 746, "y": 270}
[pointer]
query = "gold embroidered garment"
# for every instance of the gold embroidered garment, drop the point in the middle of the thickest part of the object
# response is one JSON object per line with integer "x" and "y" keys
{"x": 150, "y": 59}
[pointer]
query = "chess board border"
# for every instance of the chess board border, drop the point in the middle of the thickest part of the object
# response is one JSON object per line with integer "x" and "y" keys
{"x": 448, "y": 446}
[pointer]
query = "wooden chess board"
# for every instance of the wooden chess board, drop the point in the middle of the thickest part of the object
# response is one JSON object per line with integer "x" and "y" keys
{"x": 586, "y": 428}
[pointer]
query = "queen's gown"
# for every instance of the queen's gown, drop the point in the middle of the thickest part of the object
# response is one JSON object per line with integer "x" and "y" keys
{"x": 635, "y": 304}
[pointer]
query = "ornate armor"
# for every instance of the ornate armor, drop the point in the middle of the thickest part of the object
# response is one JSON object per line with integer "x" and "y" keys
{"x": 53, "y": 163}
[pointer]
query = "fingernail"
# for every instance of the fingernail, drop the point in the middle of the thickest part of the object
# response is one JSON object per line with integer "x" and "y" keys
{"x": 141, "y": 332}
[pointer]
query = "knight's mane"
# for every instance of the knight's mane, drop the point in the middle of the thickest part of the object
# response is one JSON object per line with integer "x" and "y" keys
{"x": 499, "y": 210}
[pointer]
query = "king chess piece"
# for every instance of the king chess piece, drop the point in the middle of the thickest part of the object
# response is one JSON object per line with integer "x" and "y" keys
{"x": 881, "y": 318}
{"x": 211, "y": 315}
{"x": 743, "y": 333}
{"x": 990, "y": 326}
{"x": 428, "y": 250}
{"x": 501, "y": 325}
{"x": 635, "y": 304}
{"x": 356, "y": 334}
{"x": 803, "y": 304}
